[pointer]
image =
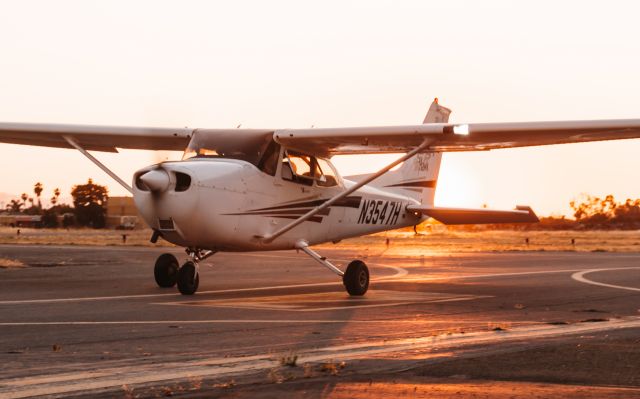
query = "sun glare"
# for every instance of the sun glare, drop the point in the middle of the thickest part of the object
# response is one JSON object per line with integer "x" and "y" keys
{"x": 455, "y": 186}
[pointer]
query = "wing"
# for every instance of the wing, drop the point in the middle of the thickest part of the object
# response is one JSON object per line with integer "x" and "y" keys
{"x": 454, "y": 137}
{"x": 97, "y": 138}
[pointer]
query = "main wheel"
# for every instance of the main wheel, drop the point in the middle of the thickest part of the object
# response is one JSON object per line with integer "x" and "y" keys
{"x": 166, "y": 270}
{"x": 188, "y": 279}
{"x": 356, "y": 278}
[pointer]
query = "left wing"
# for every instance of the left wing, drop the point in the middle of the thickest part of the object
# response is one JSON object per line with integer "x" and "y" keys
{"x": 522, "y": 214}
{"x": 454, "y": 137}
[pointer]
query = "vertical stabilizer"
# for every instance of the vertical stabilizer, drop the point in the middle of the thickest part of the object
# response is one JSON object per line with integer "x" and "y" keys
{"x": 418, "y": 176}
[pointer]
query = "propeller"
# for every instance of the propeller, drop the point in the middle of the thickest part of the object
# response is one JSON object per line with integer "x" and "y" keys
{"x": 156, "y": 180}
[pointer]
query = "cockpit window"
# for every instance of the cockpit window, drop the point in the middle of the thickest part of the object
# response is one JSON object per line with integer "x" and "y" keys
{"x": 305, "y": 169}
{"x": 251, "y": 147}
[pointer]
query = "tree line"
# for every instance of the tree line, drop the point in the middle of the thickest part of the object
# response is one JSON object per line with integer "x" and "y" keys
{"x": 89, "y": 206}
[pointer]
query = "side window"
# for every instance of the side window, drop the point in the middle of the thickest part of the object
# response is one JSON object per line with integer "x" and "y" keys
{"x": 327, "y": 176}
{"x": 269, "y": 161}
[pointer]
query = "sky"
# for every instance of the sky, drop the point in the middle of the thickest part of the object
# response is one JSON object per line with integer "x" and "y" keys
{"x": 281, "y": 64}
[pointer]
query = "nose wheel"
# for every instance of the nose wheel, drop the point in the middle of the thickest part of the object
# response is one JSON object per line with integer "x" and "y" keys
{"x": 166, "y": 270}
{"x": 168, "y": 273}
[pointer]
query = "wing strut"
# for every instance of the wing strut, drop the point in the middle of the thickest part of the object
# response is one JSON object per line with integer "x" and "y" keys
{"x": 269, "y": 238}
{"x": 72, "y": 142}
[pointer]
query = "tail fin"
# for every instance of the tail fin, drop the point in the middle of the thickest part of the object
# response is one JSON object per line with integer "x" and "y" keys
{"x": 437, "y": 113}
{"x": 417, "y": 177}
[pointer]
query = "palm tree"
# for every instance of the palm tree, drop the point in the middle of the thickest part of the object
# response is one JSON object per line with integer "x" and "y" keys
{"x": 37, "y": 189}
{"x": 56, "y": 195}
{"x": 24, "y": 198}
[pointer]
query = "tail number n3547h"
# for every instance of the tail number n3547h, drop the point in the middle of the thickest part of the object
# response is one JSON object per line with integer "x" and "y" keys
{"x": 380, "y": 212}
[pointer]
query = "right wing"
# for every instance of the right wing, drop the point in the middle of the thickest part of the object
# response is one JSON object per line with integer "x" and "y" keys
{"x": 522, "y": 214}
{"x": 97, "y": 138}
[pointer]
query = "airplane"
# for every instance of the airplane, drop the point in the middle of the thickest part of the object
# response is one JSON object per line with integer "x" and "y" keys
{"x": 246, "y": 190}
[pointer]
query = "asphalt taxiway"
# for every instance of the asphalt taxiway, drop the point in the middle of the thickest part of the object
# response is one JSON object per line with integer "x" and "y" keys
{"x": 91, "y": 321}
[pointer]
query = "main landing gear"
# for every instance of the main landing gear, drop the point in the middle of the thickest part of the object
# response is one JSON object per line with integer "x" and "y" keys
{"x": 355, "y": 278}
{"x": 167, "y": 272}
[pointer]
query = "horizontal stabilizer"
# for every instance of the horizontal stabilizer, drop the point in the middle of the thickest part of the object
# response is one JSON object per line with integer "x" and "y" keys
{"x": 522, "y": 214}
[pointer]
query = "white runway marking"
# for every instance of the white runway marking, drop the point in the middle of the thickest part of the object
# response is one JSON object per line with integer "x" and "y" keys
{"x": 399, "y": 272}
{"x": 580, "y": 277}
{"x": 399, "y": 276}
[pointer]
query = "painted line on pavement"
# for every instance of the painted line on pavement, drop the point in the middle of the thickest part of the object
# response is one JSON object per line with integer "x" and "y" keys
{"x": 579, "y": 276}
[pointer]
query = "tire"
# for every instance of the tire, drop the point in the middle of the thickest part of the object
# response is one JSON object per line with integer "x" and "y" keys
{"x": 166, "y": 270}
{"x": 188, "y": 279}
{"x": 356, "y": 278}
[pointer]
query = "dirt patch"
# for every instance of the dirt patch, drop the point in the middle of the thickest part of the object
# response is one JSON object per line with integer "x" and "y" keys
{"x": 390, "y": 387}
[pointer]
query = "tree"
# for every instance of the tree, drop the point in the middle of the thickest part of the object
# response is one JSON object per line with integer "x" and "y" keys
{"x": 24, "y": 197}
{"x": 37, "y": 189}
{"x": 90, "y": 202}
{"x": 50, "y": 216}
{"x": 595, "y": 212}
{"x": 14, "y": 206}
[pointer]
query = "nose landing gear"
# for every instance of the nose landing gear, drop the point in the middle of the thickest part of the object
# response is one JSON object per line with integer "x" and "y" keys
{"x": 167, "y": 271}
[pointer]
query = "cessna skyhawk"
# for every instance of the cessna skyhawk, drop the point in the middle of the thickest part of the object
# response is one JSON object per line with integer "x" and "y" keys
{"x": 275, "y": 189}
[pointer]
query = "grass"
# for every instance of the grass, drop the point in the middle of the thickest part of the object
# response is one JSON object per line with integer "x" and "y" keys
{"x": 409, "y": 244}
{"x": 78, "y": 236}
{"x": 401, "y": 243}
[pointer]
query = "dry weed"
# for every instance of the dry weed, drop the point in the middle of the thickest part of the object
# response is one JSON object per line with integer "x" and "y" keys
{"x": 275, "y": 377}
{"x": 225, "y": 385}
{"x": 291, "y": 360}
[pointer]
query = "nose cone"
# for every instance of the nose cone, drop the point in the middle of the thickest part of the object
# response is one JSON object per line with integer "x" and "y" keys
{"x": 156, "y": 180}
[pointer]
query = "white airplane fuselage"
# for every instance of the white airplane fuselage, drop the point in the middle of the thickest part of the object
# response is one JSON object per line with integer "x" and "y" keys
{"x": 230, "y": 204}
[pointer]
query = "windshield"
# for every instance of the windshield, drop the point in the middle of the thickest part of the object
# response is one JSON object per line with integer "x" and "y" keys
{"x": 242, "y": 145}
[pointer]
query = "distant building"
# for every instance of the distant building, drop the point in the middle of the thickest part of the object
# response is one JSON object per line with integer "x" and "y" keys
{"x": 20, "y": 220}
{"x": 122, "y": 213}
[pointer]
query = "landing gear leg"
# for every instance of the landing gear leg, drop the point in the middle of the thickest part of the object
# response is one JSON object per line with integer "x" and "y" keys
{"x": 355, "y": 279}
{"x": 188, "y": 278}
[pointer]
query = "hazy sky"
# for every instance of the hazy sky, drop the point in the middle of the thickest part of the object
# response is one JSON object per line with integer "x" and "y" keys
{"x": 330, "y": 63}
